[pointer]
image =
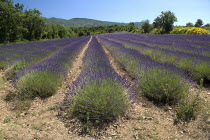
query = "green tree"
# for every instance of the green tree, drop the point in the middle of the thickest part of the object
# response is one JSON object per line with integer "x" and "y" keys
{"x": 146, "y": 26}
{"x": 34, "y": 24}
{"x": 130, "y": 27}
{"x": 207, "y": 25}
{"x": 10, "y": 21}
{"x": 165, "y": 21}
{"x": 189, "y": 24}
{"x": 199, "y": 23}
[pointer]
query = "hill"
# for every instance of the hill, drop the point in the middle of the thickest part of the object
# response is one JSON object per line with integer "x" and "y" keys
{"x": 80, "y": 22}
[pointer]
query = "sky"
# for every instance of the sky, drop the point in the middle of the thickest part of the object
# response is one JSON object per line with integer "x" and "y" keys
{"x": 122, "y": 10}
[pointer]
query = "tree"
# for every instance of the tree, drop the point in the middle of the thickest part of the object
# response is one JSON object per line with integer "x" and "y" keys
{"x": 130, "y": 27}
{"x": 146, "y": 27}
{"x": 207, "y": 25}
{"x": 165, "y": 21}
{"x": 34, "y": 24}
{"x": 10, "y": 21}
{"x": 189, "y": 24}
{"x": 199, "y": 23}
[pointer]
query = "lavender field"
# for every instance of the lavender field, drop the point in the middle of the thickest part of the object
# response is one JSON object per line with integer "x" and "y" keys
{"x": 162, "y": 68}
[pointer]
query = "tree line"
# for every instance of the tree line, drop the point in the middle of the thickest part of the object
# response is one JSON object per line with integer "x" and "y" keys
{"x": 164, "y": 24}
{"x": 17, "y": 25}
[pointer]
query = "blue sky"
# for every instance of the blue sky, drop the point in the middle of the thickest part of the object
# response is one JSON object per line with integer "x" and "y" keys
{"x": 122, "y": 10}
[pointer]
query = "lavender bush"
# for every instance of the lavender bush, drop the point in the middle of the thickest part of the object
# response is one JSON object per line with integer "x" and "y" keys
{"x": 98, "y": 94}
{"x": 44, "y": 78}
{"x": 161, "y": 82}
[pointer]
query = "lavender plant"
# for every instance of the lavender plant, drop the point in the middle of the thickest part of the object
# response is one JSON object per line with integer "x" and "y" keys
{"x": 196, "y": 64}
{"x": 161, "y": 82}
{"x": 99, "y": 92}
{"x": 11, "y": 53}
{"x": 44, "y": 78}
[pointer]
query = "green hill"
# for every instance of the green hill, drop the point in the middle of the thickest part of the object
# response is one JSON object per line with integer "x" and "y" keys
{"x": 80, "y": 22}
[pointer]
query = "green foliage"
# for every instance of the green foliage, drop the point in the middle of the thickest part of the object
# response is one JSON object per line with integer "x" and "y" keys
{"x": 146, "y": 27}
{"x": 162, "y": 86}
{"x": 34, "y": 24}
{"x": 19, "y": 65}
{"x": 23, "y": 25}
{"x": 16, "y": 24}
{"x": 157, "y": 31}
{"x": 189, "y": 24}
{"x": 10, "y": 21}
{"x": 165, "y": 21}
{"x": 188, "y": 108}
{"x": 201, "y": 71}
{"x": 130, "y": 27}
{"x": 38, "y": 84}
{"x": 103, "y": 101}
{"x": 199, "y": 23}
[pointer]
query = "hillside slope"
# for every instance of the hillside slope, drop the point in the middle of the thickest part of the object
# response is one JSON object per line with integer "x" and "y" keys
{"x": 80, "y": 22}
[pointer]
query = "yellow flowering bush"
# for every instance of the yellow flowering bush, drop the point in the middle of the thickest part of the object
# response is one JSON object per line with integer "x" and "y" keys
{"x": 179, "y": 31}
{"x": 197, "y": 31}
{"x": 194, "y": 30}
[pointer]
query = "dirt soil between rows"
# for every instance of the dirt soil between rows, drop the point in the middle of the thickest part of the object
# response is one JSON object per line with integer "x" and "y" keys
{"x": 145, "y": 121}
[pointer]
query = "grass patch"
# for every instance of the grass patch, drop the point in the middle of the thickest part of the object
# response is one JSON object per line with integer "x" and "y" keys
{"x": 38, "y": 84}
{"x": 162, "y": 86}
{"x": 99, "y": 101}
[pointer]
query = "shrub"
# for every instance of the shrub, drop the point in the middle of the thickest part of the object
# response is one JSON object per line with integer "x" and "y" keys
{"x": 162, "y": 86}
{"x": 201, "y": 71}
{"x": 179, "y": 31}
{"x": 19, "y": 65}
{"x": 189, "y": 31}
{"x": 157, "y": 31}
{"x": 197, "y": 31}
{"x": 188, "y": 108}
{"x": 38, "y": 84}
{"x": 103, "y": 101}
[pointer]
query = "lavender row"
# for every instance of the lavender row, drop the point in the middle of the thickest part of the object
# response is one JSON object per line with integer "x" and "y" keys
{"x": 99, "y": 92}
{"x": 141, "y": 61}
{"x": 44, "y": 78}
{"x": 169, "y": 42}
{"x": 201, "y": 41}
{"x": 9, "y": 53}
{"x": 160, "y": 82}
{"x": 196, "y": 65}
{"x": 96, "y": 66}
{"x": 59, "y": 62}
